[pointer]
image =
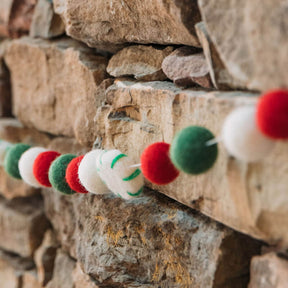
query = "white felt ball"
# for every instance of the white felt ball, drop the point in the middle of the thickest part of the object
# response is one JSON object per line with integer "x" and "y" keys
{"x": 115, "y": 170}
{"x": 242, "y": 138}
{"x": 88, "y": 174}
{"x": 3, "y": 148}
{"x": 25, "y": 165}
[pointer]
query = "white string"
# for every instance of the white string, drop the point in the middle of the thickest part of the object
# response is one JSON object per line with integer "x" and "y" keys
{"x": 135, "y": 165}
{"x": 213, "y": 141}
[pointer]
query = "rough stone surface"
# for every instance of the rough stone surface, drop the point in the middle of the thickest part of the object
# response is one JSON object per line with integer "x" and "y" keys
{"x": 269, "y": 271}
{"x": 16, "y": 17}
{"x": 63, "y": 269}
{"x": 55, "y": 84}
{"x": 45, "y": 256}
{"x": 161, "y": 22}
{"x": 141, "y": 62}
{"x": 22, "y": 224}
{"x": 240, "y": 30}
{"x": 18, "y": 263}
{"x": 5, "y": 87}
{"x": 220, "y": 77}
{"x": 187, "y": 68}
{"x": 13, "y": 131}
{"x": 7, "y": 276}
{"x": 29, "y": 280}
{"x": 82, "y": 280}
{"x": 45, "y": 23}
{"x": 143, "y": 113}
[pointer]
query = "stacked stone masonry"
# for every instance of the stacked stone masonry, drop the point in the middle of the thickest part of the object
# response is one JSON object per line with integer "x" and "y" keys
{"x": 123, "y": 75}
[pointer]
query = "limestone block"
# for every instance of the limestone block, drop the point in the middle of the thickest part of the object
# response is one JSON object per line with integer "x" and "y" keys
{"x": 250, "y": 198}
{"x": 13, "y": 131}
{"x": 142, "y": 62}
{"x": 55, "y": 84}
{"x": 240, "y": 30}
{"x": 5, "y": 88}
{"x": 7, "y": 275}
{"x": 135, "y": 21}
{"x": 16, "y": 17}
{"x": 187, "y": 68}
{"x": 220, "y": 76}
{"x": 29, "y": 280}
{"x": 22, "y": 224}
{"x": 82, "y": 280}
{"x": 45, "y": 23}
{"x": 63, "y": 269}
{"x": 269, "y": 271}
{"x": 45, "y": 256}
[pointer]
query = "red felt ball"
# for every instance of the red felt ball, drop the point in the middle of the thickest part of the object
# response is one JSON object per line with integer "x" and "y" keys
{"x": 156, "y": 165}
{"x": 41, "y": 166}
{"x": 72, "y": 177}
{"x": 272, "y": 114}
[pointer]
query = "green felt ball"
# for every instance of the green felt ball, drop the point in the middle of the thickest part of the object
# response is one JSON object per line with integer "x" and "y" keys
{"x": 57, "y": 172}
{"x": 12, "y": 158}
{"x": 189, "y": 151}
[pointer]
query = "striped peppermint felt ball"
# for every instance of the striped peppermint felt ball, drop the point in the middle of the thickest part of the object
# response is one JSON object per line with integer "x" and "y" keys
{"x": 41, "y": 167}
{"x": 57, "y": 174}
{"x": 88, "y": 174}
{"x": 4, "y": 146}
{"x": 115, "y": 170}
{"x": 26, "y": 163}
{"x": 72, "y": 177}
{"x": 12, "y": 158}
{"x": 242, "y": 137}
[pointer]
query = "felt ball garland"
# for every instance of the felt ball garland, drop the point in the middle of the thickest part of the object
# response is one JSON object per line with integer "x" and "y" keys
{"x": 248, "y": 134}
{"x": 117, "y": 171}
{"x": 272, "y": 114}
{"x": 88, "y": 174}
{"x": 26, "y": 165}
{"x": 72, "y": 177}
{"x": 242, "y": 138}
{"x": 12, "y": 158}
{"x": 41, "y": 167}
{"x": 156, "y": 165}
{"x": 189, "y": 150}
{"x": 57, "y": 174}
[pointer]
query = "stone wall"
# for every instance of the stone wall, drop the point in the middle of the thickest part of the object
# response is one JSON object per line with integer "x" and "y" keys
{"x": 125, "y": 74}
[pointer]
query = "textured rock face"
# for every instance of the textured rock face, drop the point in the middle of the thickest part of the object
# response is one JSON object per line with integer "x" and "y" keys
{"x": 144, "y": 113}
{"x": 161, "y": 22}
{"x": 45, "y": 22}
{"x": 5, "y": 89}
{"x": 142, "y": 62}
{"x": 219, "y": 75}
{"x": 22, "y": 225}
{"x": 82, "y": 280}
{"x": 240, "y": 30}
{"x": 269, "y": 271}
{"x": 16, "y": 17}
{"x": 45, "y": 256}
{"x": 63, "y": 269}
{"x": 187, "y": 68}
{"x": 55, "y": 85}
